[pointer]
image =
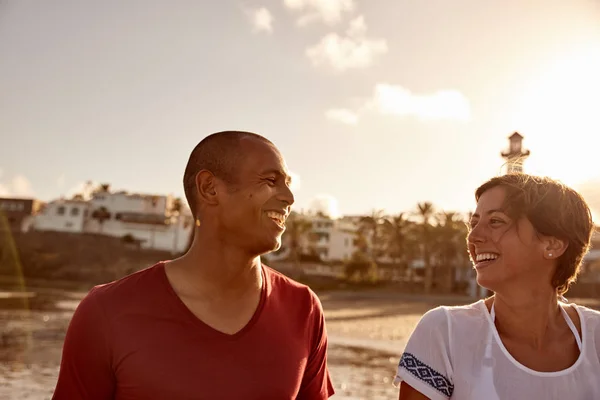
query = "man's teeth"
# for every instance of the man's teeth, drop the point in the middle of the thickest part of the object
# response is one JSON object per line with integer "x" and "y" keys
{"x": 277, "y": 217}
{"x": 486, "y": 256}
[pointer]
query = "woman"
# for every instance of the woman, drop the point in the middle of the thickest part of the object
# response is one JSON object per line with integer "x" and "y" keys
{"x": 527, "y": 238}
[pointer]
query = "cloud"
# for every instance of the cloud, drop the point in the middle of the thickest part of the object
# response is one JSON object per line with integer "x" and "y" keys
{"x": 328, "y": 11}
{"x": 398, "y": 101}
{"x": 325, "y": 204}
{"x": 19, "y": 186}
{"x": 444, "y": 104}
{"x": 352, "y": 51}
{"x": 262, "y": 20}
{"x": 342, "y": 115}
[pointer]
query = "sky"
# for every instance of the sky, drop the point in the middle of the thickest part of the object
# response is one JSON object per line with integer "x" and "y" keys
{"x": 374, "y": 104}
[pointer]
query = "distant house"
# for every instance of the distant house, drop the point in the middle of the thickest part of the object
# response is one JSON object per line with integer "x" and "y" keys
{"x": 332, "y": 239}
{"x": 62, "y": 216}
{"x": 154, "y": 221}
{"x": 16, "y": 212}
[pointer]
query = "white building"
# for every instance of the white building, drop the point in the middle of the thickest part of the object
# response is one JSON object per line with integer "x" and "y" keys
{"x": 146, "y": 219}
{"x": 123, "y": 202}
{"x": 61, "y": 216}
{"x": 333, "y": 240}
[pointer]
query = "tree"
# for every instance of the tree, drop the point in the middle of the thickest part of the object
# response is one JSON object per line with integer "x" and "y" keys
{"x": 396, "y": 232}
{"x": 450, "y": 248}
{"x": 371, "y": 227}
{"x": 102, "y": 188}
{"x": 425, "y": 212}
{"x": 175, "y": 212}
{"x": 361, "y": 268}
{"x": 298, "y": 232}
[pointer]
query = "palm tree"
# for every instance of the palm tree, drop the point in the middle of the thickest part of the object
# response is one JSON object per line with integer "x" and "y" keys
{"x": 298, "y": 231}
{"x": 450, "y": 247}
{"x": 397, "y": 231}
{"x": 371, "y": 228}
{"x": 175, "y": 212}
{"x": 425, "y": 211}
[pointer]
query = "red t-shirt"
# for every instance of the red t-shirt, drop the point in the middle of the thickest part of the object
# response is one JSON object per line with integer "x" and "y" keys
{"x": 135, "y": 339}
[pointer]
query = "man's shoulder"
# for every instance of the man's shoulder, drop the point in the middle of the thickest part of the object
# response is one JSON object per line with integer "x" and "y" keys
{"x": 127, "y": 287}
{"x": 284, "y": 286}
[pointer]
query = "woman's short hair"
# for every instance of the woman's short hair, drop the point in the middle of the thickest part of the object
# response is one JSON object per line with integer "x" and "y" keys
{"x": 553, "y": 209}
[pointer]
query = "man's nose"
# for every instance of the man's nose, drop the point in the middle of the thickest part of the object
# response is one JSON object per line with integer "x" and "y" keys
{"x": 286, "y": 195}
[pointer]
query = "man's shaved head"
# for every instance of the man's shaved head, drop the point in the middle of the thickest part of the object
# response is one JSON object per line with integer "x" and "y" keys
{"x": 220, "y": 153}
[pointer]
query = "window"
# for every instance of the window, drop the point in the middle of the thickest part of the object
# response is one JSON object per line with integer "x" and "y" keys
{"x": 69, "y": 225}
{"x": 74, "y": 211}
{"x": 323, "y": 236}
{"x": 60, "y": 210}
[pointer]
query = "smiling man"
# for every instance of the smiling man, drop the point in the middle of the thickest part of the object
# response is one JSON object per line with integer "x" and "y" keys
{"x": 214, "y": 323}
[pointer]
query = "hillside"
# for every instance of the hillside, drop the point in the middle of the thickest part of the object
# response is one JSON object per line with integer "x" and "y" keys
{"x": 84, "y": 259}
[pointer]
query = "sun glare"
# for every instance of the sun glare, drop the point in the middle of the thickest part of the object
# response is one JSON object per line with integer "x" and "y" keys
{"x": 558, "y": 114}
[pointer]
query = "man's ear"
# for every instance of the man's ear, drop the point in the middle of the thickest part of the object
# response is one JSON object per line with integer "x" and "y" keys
{"x": 206, "y": 187}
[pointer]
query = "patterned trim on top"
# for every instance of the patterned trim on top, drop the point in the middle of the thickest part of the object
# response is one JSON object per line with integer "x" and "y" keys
{"x": 427, "y": 374}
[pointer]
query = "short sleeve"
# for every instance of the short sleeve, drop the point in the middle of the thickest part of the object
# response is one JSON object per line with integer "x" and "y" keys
{"x": 85, "y": 369}
{"x": 316, "y": 383}
{"x": 426, "y": 364}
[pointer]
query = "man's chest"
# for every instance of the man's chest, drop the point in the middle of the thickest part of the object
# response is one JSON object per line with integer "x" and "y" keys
{"x": 180, "y": 364}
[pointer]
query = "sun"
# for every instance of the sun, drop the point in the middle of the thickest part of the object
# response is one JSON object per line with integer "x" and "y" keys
{"x": 557, "y": 112}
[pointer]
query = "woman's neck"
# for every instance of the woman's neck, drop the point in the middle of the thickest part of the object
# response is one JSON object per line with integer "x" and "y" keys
{"x": 532, "y": 318}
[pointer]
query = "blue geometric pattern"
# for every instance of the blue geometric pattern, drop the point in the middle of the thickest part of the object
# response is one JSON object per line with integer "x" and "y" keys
{"x": 427, "y": 374}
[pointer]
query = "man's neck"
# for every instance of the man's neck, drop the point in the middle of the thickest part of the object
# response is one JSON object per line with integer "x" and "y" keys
{"x": 216, "y": 270}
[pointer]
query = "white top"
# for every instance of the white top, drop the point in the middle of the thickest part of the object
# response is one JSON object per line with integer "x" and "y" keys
{"x": 456, "y": 353}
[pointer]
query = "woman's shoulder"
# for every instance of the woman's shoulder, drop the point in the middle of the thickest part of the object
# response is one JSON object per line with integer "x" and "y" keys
{"x": 449, "y": 315}
{"x": 585, "y": 311}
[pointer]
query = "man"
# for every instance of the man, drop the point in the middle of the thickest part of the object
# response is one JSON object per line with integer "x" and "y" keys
{"x": 215, "y": 323}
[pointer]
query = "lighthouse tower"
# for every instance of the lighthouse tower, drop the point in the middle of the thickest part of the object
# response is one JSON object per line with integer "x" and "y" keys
{"x": 515, "y": 156}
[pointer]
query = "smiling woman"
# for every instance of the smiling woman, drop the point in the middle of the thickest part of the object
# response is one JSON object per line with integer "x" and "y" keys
{"x": 527, "y": 239}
